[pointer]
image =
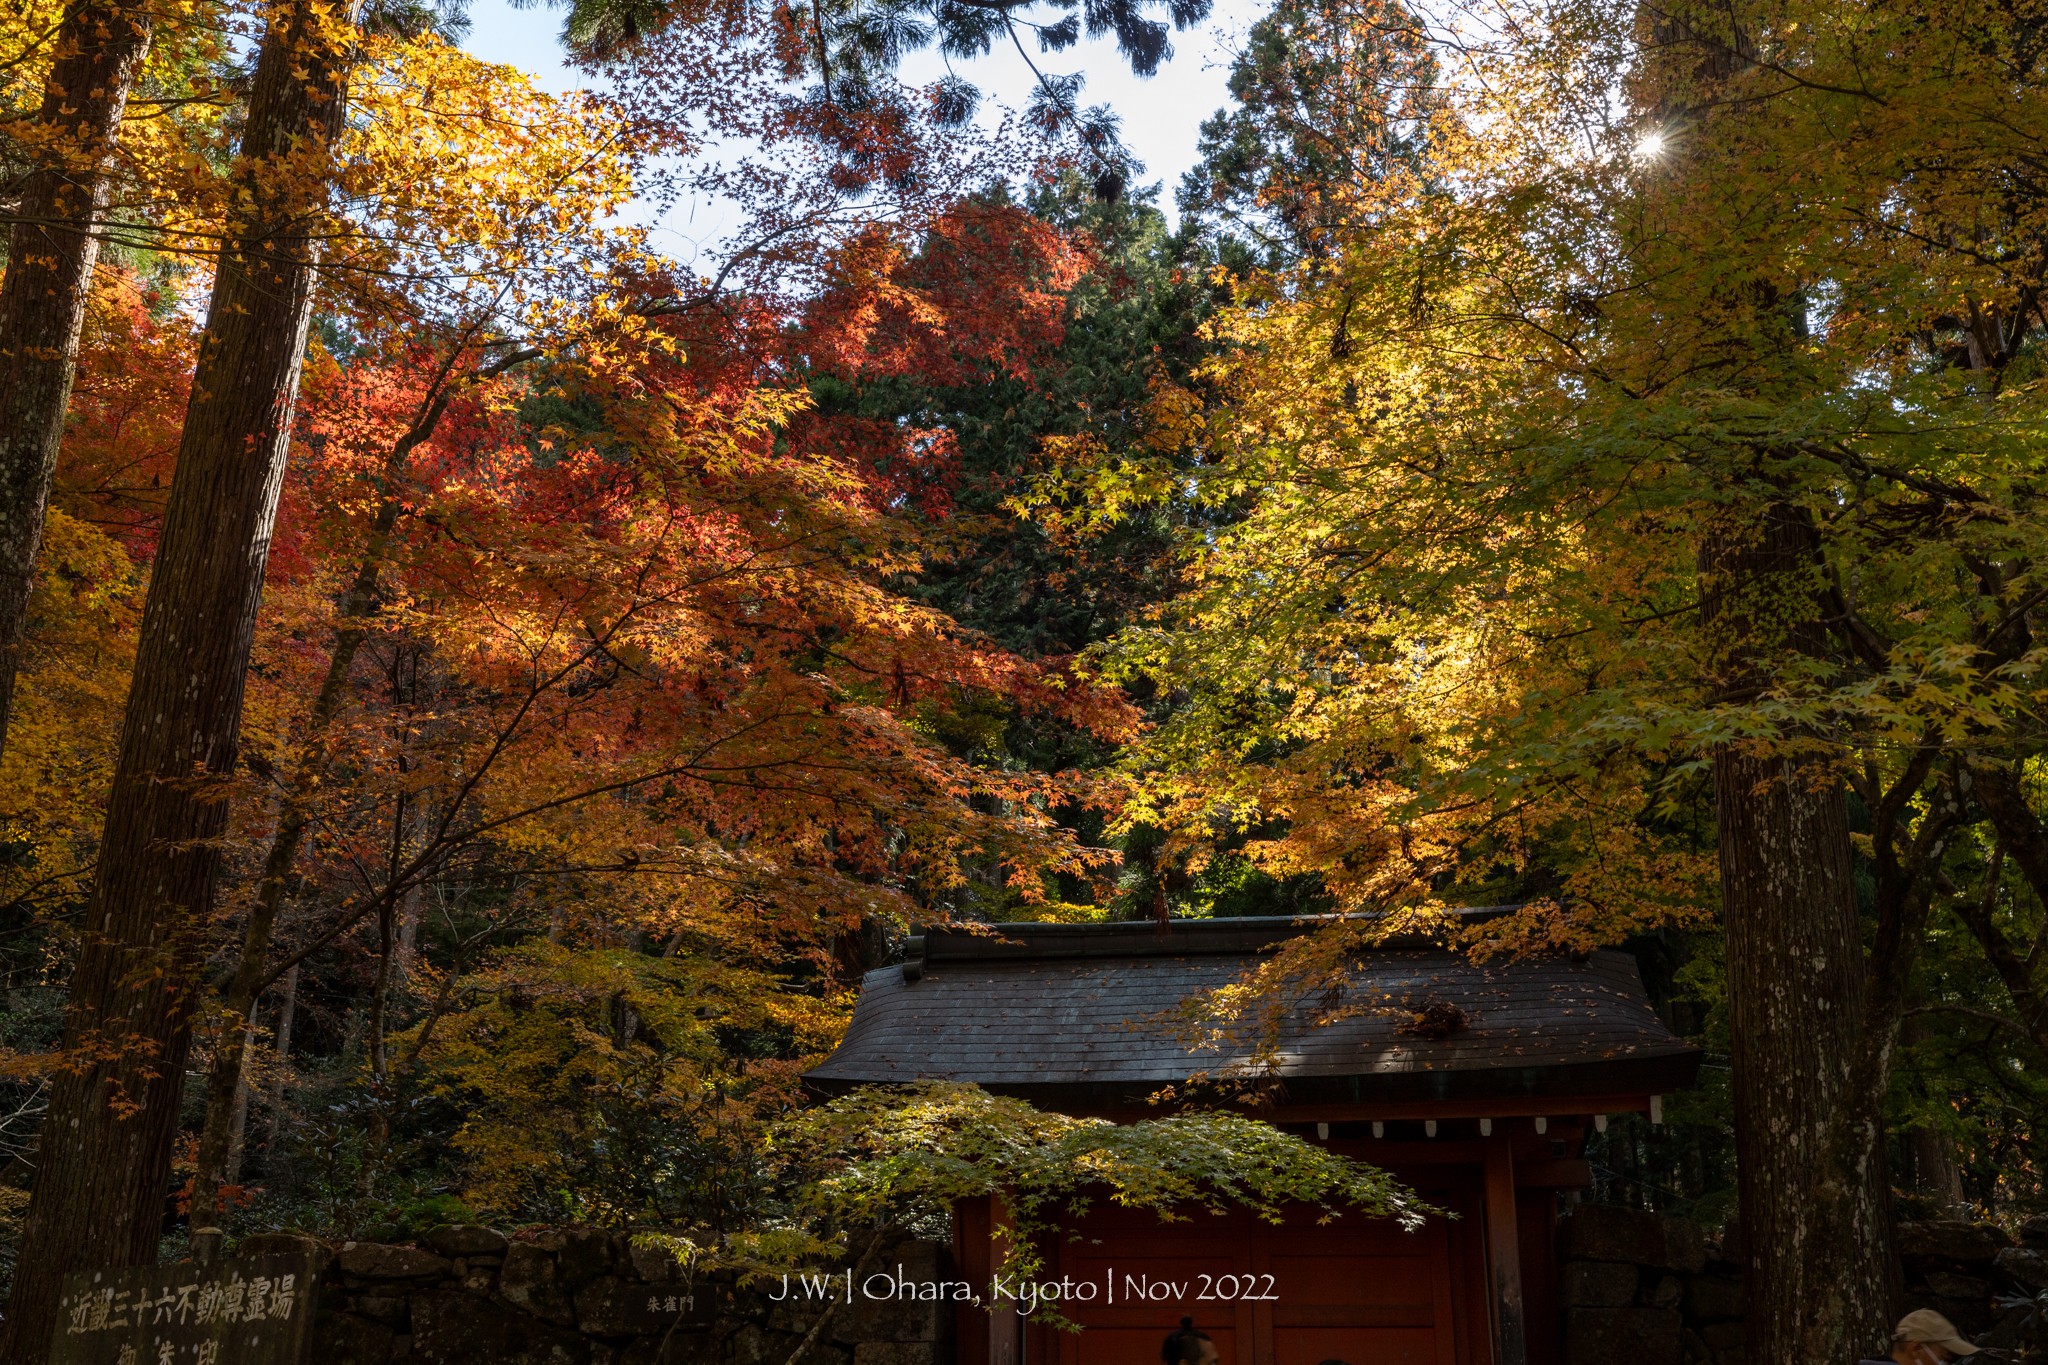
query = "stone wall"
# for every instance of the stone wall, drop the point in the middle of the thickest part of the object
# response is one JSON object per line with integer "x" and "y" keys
{"x": 1646, "y": 1289}
{"x": 579, "y": 1296}
{"x": 1977, "y": 1277}
{"x": 1636, "y": 1289}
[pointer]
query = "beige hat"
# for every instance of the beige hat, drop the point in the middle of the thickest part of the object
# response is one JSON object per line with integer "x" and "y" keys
{"x": 1931, "y": 1327}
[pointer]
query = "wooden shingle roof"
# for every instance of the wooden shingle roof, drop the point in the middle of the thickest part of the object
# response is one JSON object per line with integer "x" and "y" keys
{"x": 1073, "y": 1014}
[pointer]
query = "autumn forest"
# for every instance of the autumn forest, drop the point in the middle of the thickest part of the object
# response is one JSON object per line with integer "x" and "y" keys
{"x": 479, "y": 691}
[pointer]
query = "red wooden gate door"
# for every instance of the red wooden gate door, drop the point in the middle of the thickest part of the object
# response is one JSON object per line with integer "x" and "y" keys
{"x": 1146, "y": 1276}
{"x": 1355, "y": 1289}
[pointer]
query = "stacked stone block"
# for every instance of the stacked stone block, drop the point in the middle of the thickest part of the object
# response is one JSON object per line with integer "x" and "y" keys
{"x": 1626, "y": 1281}
{"x": 1993, "y": 1287}
{"x": 583, "y": 1296}
{"x": 1648, "y": 1289}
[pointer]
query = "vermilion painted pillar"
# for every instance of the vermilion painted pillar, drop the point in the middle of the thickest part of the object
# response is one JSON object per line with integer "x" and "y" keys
{"x": 1504, "y": 1257}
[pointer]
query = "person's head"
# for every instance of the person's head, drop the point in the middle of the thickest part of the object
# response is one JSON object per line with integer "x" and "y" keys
{"x": 1189, "y": 1346}
{"x": 1926, "y": 1337}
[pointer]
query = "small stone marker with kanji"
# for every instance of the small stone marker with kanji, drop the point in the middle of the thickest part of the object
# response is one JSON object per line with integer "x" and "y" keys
{"x": 253, "y": 1312}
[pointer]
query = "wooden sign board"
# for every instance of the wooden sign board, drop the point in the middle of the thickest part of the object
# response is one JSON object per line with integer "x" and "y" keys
{"x": 253, "y": 1312}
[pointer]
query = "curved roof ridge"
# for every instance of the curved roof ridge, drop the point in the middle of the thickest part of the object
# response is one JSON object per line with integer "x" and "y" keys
{"x": 974, "y": 940}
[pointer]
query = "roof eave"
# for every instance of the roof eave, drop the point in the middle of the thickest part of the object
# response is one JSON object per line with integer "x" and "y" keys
{"x": 1519, "y": 1089}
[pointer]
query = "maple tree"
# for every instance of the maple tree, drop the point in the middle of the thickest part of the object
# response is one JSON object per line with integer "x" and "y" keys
{"x": 1601, "y": 495}
{"x": 892, "y": 1153}
{"x": 593, "y": 1087}
{"x": 768, "y": 720}
{"x": 705, "y": 657}
{"x": 574, "y": 158}
{"x": 920, "y": 657}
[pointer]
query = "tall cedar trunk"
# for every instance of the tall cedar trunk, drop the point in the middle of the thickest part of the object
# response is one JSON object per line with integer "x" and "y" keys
{"x": 1817, "y": 1280}
{"x": 51, "y": 250}
{"x": 100, "y": 1196}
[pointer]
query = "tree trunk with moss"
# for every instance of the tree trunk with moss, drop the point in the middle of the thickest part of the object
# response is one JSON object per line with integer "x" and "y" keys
{"x": 1817, "y": 1277}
